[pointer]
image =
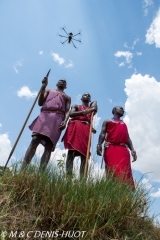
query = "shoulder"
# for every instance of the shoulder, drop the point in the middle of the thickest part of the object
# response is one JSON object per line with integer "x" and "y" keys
{"x": 75, "y": 106}
{"x": 47, "y": 91}
{"x": 106, "y": 122}
{"x": 67, "y": 98}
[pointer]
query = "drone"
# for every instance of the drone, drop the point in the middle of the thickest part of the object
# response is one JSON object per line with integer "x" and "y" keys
{"x": 70, "y": 37}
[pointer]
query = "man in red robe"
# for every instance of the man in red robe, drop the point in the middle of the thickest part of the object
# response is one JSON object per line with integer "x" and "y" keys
{"x": 77, "y": 133}
{"x": 117, "y": 141}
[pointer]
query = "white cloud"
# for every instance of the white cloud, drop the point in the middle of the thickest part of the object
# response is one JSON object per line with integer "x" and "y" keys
{"x": 139, "y": 53}
{"x": 156, "y": 194}
{"x": 110, "y": 100}
{"x": 133, "y": 45}
{"x": 61, "y": 61}
{"x": 26, "y": 92}
{"x": 40, "y": 52}
{"x": 143, "y": 101}
{"x": 122, "y": 64}
{"x": 135, "y": 42}
{"x": 126, "y": 54}
{"x": 153, "y": 33}
{"x": 5, "y": 148}
{"x": 78, "y": 98}
{"x": 146, "y": 4}
{"x": 70, "y": 64}
{"x": 57, "y": 58}
{"x": 17, "y": 64}
{"x": 0, "y": 125}
{"x": 146, "y": 183}
{"x": 96, "y": 120}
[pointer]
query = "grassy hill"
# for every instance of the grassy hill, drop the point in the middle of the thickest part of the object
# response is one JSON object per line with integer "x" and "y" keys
{"x": 49, "y": 206}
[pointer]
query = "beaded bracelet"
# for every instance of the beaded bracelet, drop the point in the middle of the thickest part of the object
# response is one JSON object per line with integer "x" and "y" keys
{"x": 84, "y": 111}
{"x": 99, "y": 146}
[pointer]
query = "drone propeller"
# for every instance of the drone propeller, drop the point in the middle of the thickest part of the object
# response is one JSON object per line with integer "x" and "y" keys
{"x": 64, "y": 41}
{"x": 63, "y": 36}
{"x": 76, "y": 40}
{"x": 65, "y": 31}
{"x": 76, "y": 34}
{"x": 73, "y": 43}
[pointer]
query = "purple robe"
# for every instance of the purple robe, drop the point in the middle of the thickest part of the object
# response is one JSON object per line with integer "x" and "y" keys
{"x": 47, "y": 123}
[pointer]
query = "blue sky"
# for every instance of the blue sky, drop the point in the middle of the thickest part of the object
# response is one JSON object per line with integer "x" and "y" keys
{"x": 117, "y": 62}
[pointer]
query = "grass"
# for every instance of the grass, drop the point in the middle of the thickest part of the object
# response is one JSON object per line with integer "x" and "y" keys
{"x": 103, "y": 208}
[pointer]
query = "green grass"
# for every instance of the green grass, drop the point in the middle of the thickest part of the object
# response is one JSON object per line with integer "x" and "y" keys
{"x": 105, "y": 209}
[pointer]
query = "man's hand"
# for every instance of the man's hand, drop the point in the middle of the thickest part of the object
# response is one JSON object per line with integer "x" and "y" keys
{"x": 90, "y": 110}
{"x": 94, "y": 130}
{"x": 45, "y": 82}
{"x": 93, "y": 109}
{"x": 134, "y": 155}
{"x": 99, "y": 149}
{"x": 62, "y": 125}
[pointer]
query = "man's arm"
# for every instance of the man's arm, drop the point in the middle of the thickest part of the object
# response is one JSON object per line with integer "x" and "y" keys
{"x": 67, "y": 110}
{"x": 44, "y": 93}
{"x": 94, "y": 107}
{"x": 133, "y": 152}
{"x": 74, "y": 111}
{"x": 102, "y": 136}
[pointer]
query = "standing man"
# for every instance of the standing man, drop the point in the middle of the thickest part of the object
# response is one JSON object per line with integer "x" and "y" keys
{"x": 46, "y": 128}
{"x": 77, "y": 134}
{"x": 117, "y": 141}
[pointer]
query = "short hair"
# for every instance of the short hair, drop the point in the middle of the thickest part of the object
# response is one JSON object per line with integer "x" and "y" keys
{"x": 84, "y": 94}
{"x": 62, "y": 79}
{"x": 113, "y": 110}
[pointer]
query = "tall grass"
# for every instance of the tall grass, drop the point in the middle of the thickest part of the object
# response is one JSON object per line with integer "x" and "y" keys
{"x": 104, "y": 208}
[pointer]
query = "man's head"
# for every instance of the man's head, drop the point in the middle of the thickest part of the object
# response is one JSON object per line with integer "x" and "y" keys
{"x": 118, "y": 111}
{"x": 86, "y": 97}
{"x": 62, "y": 83}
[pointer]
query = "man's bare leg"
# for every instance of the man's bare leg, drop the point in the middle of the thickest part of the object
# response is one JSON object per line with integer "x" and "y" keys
{"x": 82, "y": 166}
{"x": 69, "y": 162}
{"x": 46, "y": 155}
{"x": 31, "y": 151}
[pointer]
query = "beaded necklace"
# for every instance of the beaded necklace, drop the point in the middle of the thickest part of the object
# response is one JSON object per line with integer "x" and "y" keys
{"x": 117, "y": 119}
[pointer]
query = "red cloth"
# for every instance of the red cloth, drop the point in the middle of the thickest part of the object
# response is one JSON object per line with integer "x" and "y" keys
{"x": 77, "y": 133}
{"x": 116, "y": 156}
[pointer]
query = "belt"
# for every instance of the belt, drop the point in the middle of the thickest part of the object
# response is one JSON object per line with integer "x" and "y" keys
{"x": 80, "y": 121}
{"x": 111, "y": 143}
{"x": 54, "y": 111}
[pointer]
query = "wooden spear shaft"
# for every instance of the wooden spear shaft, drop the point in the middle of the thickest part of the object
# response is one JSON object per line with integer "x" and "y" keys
{"x": 15, "y": 144}
{"x": 88, "y": 147}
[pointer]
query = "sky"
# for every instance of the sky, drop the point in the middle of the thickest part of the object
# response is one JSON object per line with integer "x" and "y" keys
{"x": 116, "y": 62}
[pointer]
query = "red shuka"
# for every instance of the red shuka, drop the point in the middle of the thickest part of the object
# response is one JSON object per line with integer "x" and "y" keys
{"x": 116, "y": 156}
{"x": 77, "y": 133}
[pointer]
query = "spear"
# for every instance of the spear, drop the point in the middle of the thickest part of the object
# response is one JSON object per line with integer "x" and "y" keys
{"x": 15, "y": 144}
{"x": 88, "y": 147}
